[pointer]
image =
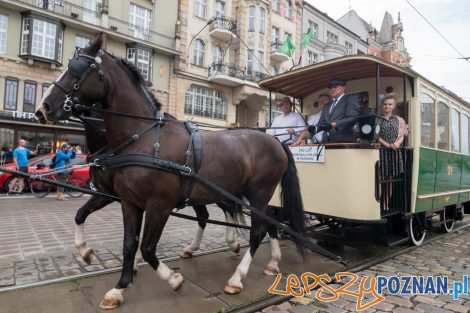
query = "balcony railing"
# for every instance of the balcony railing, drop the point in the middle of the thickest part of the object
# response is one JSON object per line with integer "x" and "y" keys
{"x": 255, "y": 76}
{"x": 140, "y": 32}
{"x": 85, "y": 15}
{"x": 222, "y": 22}
{"x": 68, "y": 9}
{"x": 336, "y": 46}
{"x": 227, "y": 69}
{"x": 275, "y": 46}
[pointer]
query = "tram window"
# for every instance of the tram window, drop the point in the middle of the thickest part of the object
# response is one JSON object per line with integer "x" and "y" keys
{"x": 455, "y": 139}
{"x": 442, "y": 126}
{"x": 427, "y": 121}
{"x": 464, "y": 131}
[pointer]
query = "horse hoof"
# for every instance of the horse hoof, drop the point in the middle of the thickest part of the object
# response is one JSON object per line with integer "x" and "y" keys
{"x": 268, "y": 271}
{"x": 232, "y": 290}
{"x": 186, "y": 255}
{"x": 88, "y": 255}
{"x": 237, "y": 248}
{"x": 176, "y": 282}
{"x": 109, "y": 303}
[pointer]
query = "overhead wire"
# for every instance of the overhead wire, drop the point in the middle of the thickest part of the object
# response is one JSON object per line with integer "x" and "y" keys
{"x": 440, "y": 34}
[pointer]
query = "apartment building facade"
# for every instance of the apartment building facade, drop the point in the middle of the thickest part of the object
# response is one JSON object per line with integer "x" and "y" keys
{"x": 227, "y": 47}
{"x": 38, "y": 37}
{"x": 330, "y": 40}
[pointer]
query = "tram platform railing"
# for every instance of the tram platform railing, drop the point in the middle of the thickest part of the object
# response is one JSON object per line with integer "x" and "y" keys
{"x": 393, "y": 181}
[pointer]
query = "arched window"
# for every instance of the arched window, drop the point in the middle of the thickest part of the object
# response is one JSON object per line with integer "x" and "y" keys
{"x": 442, "y": 126}
{"x": 198, "y": 55}
{"x": 464, "y": 132}
{"x": 262, "y": 20}
{"x": 455, "y": 124}
{"x": 205, "y": 102}
{"x": 427, "y": 121}
{"x": 218, "y": 55}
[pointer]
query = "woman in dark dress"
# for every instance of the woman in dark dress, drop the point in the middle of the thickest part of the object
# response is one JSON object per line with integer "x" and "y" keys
{"x": 392, "y": 134}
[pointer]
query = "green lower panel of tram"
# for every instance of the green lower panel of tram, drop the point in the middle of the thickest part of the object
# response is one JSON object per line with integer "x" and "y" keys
{"x": 439, "y": 172}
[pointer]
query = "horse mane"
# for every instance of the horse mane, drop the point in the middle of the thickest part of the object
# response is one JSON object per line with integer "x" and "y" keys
{"x": 95, "y": 46}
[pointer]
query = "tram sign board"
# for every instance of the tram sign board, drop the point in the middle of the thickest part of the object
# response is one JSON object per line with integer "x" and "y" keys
{"x": 308, "y": 154}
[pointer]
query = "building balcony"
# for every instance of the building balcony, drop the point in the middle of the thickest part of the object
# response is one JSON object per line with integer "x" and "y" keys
{"x": 334, "y": 50}
{"x": 222, "y": 28}
{"x": 73, "y": 14}
{"x": 226, "y": 74}
{"x": 276, "y": 55}
{"x": 254, "y": 76}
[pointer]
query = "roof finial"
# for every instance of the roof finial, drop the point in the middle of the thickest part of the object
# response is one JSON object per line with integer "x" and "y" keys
{"x": 399, "y": 19}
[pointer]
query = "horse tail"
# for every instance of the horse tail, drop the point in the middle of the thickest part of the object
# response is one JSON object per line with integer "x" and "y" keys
{"x": 291, "y": 199}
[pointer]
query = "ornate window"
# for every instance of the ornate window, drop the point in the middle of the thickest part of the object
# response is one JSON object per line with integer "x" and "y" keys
{"x": 3, "y": 33}
{"x": 249, "y": 62}
{"x": 11, "y": 94}
{"x": 277, "y": 6}
{"x": 262, "y": 20}
{"x": 41, "y": 38}
{"x": 349, "y": 47}
{"x": 311, "y": 57}
{"x": 141, "y": 57}
{"x": 198, "y": 52}
{"x": 140, "y": 20}
{"x": 205, "y": 102}
{"x": 200, "y": 8}
{"x": 275, "y": 35}
{"x": 331, "y": 38}
{"x": 251, "y": 18}
{"x": 218, "y": 55}
{"x": 261, "y": 63}
{"x": 442, "y": 126}
{"x": 29, "y": 103}
{"x": 314, "y": 27}
{"x": 455, "y": 123}
{"x": 427, "y": 121}
{"x": 289, "y": 9}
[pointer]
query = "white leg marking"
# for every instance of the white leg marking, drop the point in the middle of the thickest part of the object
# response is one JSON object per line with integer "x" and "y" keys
{"x": 273, "y": 266}
{"x": 175, "y": 280}
{"x": 242, "y": 270}
{"x": 79, "y": 235}
{"x": 85, "y": 252}
{"x": 112, "y": 299}
{"x": 188, "y": 251}
{"x": 233, "y": 244}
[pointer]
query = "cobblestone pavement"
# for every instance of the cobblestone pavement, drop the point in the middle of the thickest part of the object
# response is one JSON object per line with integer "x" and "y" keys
{"x": 449, "y": 256}
{"x": 37, "y": 238}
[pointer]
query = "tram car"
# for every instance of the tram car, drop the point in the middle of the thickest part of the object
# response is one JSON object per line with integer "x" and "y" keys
{"x": 346, "y": 186}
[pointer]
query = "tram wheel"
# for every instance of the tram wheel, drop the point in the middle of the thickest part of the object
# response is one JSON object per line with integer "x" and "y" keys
{"x": 446, "y": 227}
{"x": 416, "y": 230}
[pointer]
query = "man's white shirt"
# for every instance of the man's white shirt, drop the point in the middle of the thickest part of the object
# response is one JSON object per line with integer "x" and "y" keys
{"x": 291, "y": 120}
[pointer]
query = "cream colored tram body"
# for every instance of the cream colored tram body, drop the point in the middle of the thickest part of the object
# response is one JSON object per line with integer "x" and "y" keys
{"x": 346, "y": 187}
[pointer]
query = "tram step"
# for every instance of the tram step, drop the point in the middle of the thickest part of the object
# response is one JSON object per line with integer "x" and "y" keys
{"x": 395, "y": 240}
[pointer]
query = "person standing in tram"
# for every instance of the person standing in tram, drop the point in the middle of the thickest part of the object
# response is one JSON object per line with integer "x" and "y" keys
{"x": 392, "y": 134}
{"x": 320, "y": 136}
{"x": 339, "y": 115}
{"x": 20, "y": 158}
{"x": 293, "y": 122}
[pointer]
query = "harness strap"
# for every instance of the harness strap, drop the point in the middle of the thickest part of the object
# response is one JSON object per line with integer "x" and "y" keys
{"x": 172, "y": 167}
{"x": 160, "y": 123}
{"x": 194, "y": 149}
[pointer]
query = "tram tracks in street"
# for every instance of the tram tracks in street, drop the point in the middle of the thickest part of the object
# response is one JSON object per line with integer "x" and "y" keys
{"x": 257, "y": 305}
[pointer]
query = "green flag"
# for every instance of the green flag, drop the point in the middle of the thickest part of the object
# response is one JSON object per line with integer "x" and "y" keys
{"x": 287, "y": 47}
{"x": 307, "y": 38}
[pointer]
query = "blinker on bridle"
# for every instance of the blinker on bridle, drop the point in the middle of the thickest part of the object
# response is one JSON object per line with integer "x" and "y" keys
{"x": 80, "y": 67}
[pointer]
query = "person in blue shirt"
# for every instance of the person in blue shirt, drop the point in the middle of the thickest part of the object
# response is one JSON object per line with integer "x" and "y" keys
{"x": 61, "y": 157}
{"x": 20, "y": 158}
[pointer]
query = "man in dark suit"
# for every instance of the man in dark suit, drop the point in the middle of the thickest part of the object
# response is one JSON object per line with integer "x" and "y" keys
{"x": 339, "y": 115}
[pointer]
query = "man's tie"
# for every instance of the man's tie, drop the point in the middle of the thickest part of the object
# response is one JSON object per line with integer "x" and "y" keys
{"x": 332, "y": 105}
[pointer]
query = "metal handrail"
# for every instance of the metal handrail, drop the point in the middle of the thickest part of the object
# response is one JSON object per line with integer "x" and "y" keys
{"x": 222, "y": 22}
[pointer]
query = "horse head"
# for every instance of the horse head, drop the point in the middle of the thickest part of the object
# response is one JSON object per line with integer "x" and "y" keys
{"x": 82, "y": 82}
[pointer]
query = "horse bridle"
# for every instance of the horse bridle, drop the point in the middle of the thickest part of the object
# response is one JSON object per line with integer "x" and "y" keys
{"x": 81, "y": 69}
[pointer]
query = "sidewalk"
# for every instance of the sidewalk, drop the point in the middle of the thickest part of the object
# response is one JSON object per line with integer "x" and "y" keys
{"x": 448, "y": 256}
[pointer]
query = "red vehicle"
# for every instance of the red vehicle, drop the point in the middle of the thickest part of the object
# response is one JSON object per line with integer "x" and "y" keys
{"x": 42, "y": 163}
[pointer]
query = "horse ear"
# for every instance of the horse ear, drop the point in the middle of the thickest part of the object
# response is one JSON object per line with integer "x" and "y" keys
{"x": 96, "y": 44}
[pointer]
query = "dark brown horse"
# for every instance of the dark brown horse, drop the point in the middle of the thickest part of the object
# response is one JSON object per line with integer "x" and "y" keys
{"x": 245, "y": 162}
{"x": 103, "y": 182}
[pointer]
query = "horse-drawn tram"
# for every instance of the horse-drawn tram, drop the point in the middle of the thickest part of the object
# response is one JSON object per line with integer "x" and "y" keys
{"x": 349, "y": 184}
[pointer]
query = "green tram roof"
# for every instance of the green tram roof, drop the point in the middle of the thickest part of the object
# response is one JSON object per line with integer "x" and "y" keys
{"x": 304, "y": 81}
